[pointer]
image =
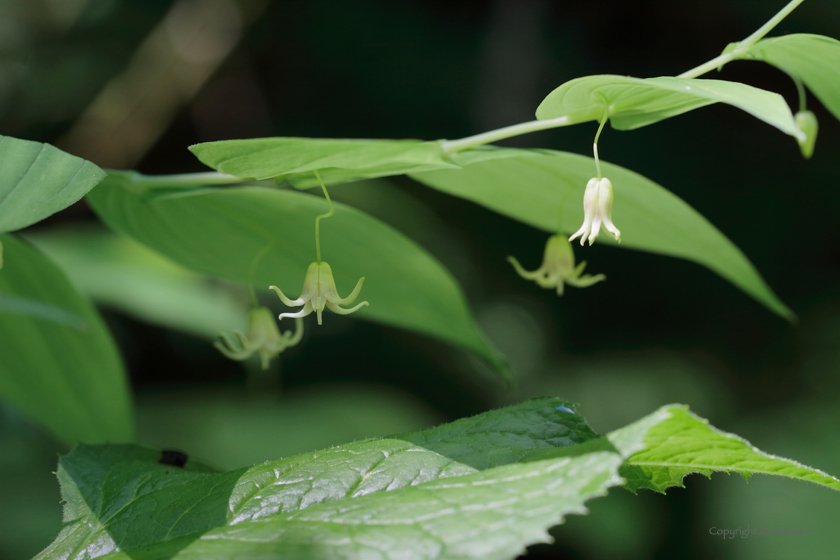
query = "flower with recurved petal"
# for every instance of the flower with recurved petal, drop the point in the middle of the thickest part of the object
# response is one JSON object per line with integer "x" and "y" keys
{"x": 319, "y": 292}
{"x": 558, "y": 267}
{"x": 597, "y": 209}
{"x": 263, "y": 337}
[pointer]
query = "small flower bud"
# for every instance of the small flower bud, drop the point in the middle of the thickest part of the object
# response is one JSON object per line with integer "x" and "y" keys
{"x": 806, "y": 121}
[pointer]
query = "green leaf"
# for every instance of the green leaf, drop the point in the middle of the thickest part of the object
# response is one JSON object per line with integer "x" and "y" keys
{"x": 405, "y": 494}
{"x": 223, "y": 231}
{"x": 59, "y": 363}
{"x": 814, "y": 59}
{"x": 37, "y": 180}
{"x": 634, "y": 102}
{"x": 534, "y": 185}
{"x": 122, "y": 274}
{"x": 684, "y": 444}
{"x": 337, "y": 160}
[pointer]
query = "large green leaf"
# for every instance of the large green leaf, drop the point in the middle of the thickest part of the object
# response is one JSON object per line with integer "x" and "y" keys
{"x": 684, "y": 444}
{"x": 120, "y": 273}
{"x": 59, "y": 364}
{"x": 37, "y": 180}
{"x": 337, "y": 160}
{"x": 634, "y": 102}
{"x": 223, "y": 231}
{"x": 534, "y": 185}
{"x": 365, "y": 494}
{"x": 814, "y": 59}
{"x": 416, "y": 495}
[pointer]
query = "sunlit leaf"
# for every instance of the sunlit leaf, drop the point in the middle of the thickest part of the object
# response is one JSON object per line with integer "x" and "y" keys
{"x": 814, "y": 59}
{"x": 232, "y": 232}
{"x": 59, "y": 364}
{"x": 684, "y": 444}
{"x": 337, "y": 160}
{"x": 122, "y": 274}
{"x": 535, "y": 185}
{"x": 37, "y": 180}
{"x": 402, "y": 495}
{"x": 634, "y": 102}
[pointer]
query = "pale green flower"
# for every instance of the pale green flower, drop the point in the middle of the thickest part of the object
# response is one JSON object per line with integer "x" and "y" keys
{"x": 597, "y": 210}
{"x": 806, "y": 121}
{"x": 319, "y": 292}
{"x": 558, "y": 267}
{"x": 263, "y": 337}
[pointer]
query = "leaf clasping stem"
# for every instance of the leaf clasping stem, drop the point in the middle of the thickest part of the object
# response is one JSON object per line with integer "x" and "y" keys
{"x": 318, "y": 218}
{"x": 742, "y": 46}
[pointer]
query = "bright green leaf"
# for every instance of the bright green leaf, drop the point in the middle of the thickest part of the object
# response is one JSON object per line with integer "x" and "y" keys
{"x": 120, "y": 273}
{"x": 814, "y": 59}
{"x": 534, "y": 185}
{"x": 59, "y": 363}
{"x": 634, "y": 102}
{"x": 403, "y": 487}
{"x": 37, "y": 180}
{"x": 337, "y": 160}
{"x": 222, "y": 231}
{"x": 684, "y": 444}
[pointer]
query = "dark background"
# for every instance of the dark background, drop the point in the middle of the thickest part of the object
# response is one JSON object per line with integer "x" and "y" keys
{"x": 660, "y": 330}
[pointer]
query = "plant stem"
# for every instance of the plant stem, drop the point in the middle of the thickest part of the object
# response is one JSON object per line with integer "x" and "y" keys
{"x": 742, "y": 46}
{"x": 179, "y": 180}
{"x": 451, "y": 146}
{"x": 597, "y": 136}
{"x": 318, "y": 218}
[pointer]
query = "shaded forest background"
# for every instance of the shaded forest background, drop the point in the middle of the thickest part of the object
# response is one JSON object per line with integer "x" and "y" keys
{"x": 132, "y": 83}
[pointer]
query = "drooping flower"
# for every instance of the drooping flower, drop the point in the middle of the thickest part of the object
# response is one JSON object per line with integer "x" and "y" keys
{"x": 558, "y": 267}
{"x": 319, "y": 292}
{"x": 597, "y": 209}
{"x": 263, "y": 337}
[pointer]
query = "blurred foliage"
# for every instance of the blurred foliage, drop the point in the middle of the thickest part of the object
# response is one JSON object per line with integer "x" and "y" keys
{"x": 658, "y": 330}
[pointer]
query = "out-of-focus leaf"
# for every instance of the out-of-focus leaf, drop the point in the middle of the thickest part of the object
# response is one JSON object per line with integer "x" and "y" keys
{"x": 534, "y": 186}
{"x": 337, "y": 160}
{"x": 814, "y": 59}
{"x": 401, "y": 495}
{"x": 37, "y": 180}
{"x": 684, "y": 444}
{"x": 232, "y": 232}
{"x": 59, "y": 363}
{"x": 634, "y": 102}
{"x": 120, "y": 273}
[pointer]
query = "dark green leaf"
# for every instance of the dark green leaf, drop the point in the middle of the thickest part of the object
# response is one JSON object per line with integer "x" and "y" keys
{"x": 367, "y": 493}
{"x": 59, "y": 363}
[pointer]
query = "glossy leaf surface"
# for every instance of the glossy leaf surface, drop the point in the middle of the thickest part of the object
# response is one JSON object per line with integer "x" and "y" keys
{"x": 59, "y": 364}
{"x": 533, "y": 185}
{"x": 37, "y": 180}
{"x": 405, "y": 495}
{"x": 235, "y": 232}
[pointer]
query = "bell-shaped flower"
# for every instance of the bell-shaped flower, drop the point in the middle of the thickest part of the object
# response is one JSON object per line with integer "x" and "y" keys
{"x": 558, "y": 267}
{"x": 263, "y": 337}
{"x": 319, "y": 292}
{"x": 597, "y": 210}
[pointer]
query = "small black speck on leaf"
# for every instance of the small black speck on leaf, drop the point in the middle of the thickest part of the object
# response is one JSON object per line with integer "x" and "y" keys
{"x": 172, "y": 457}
